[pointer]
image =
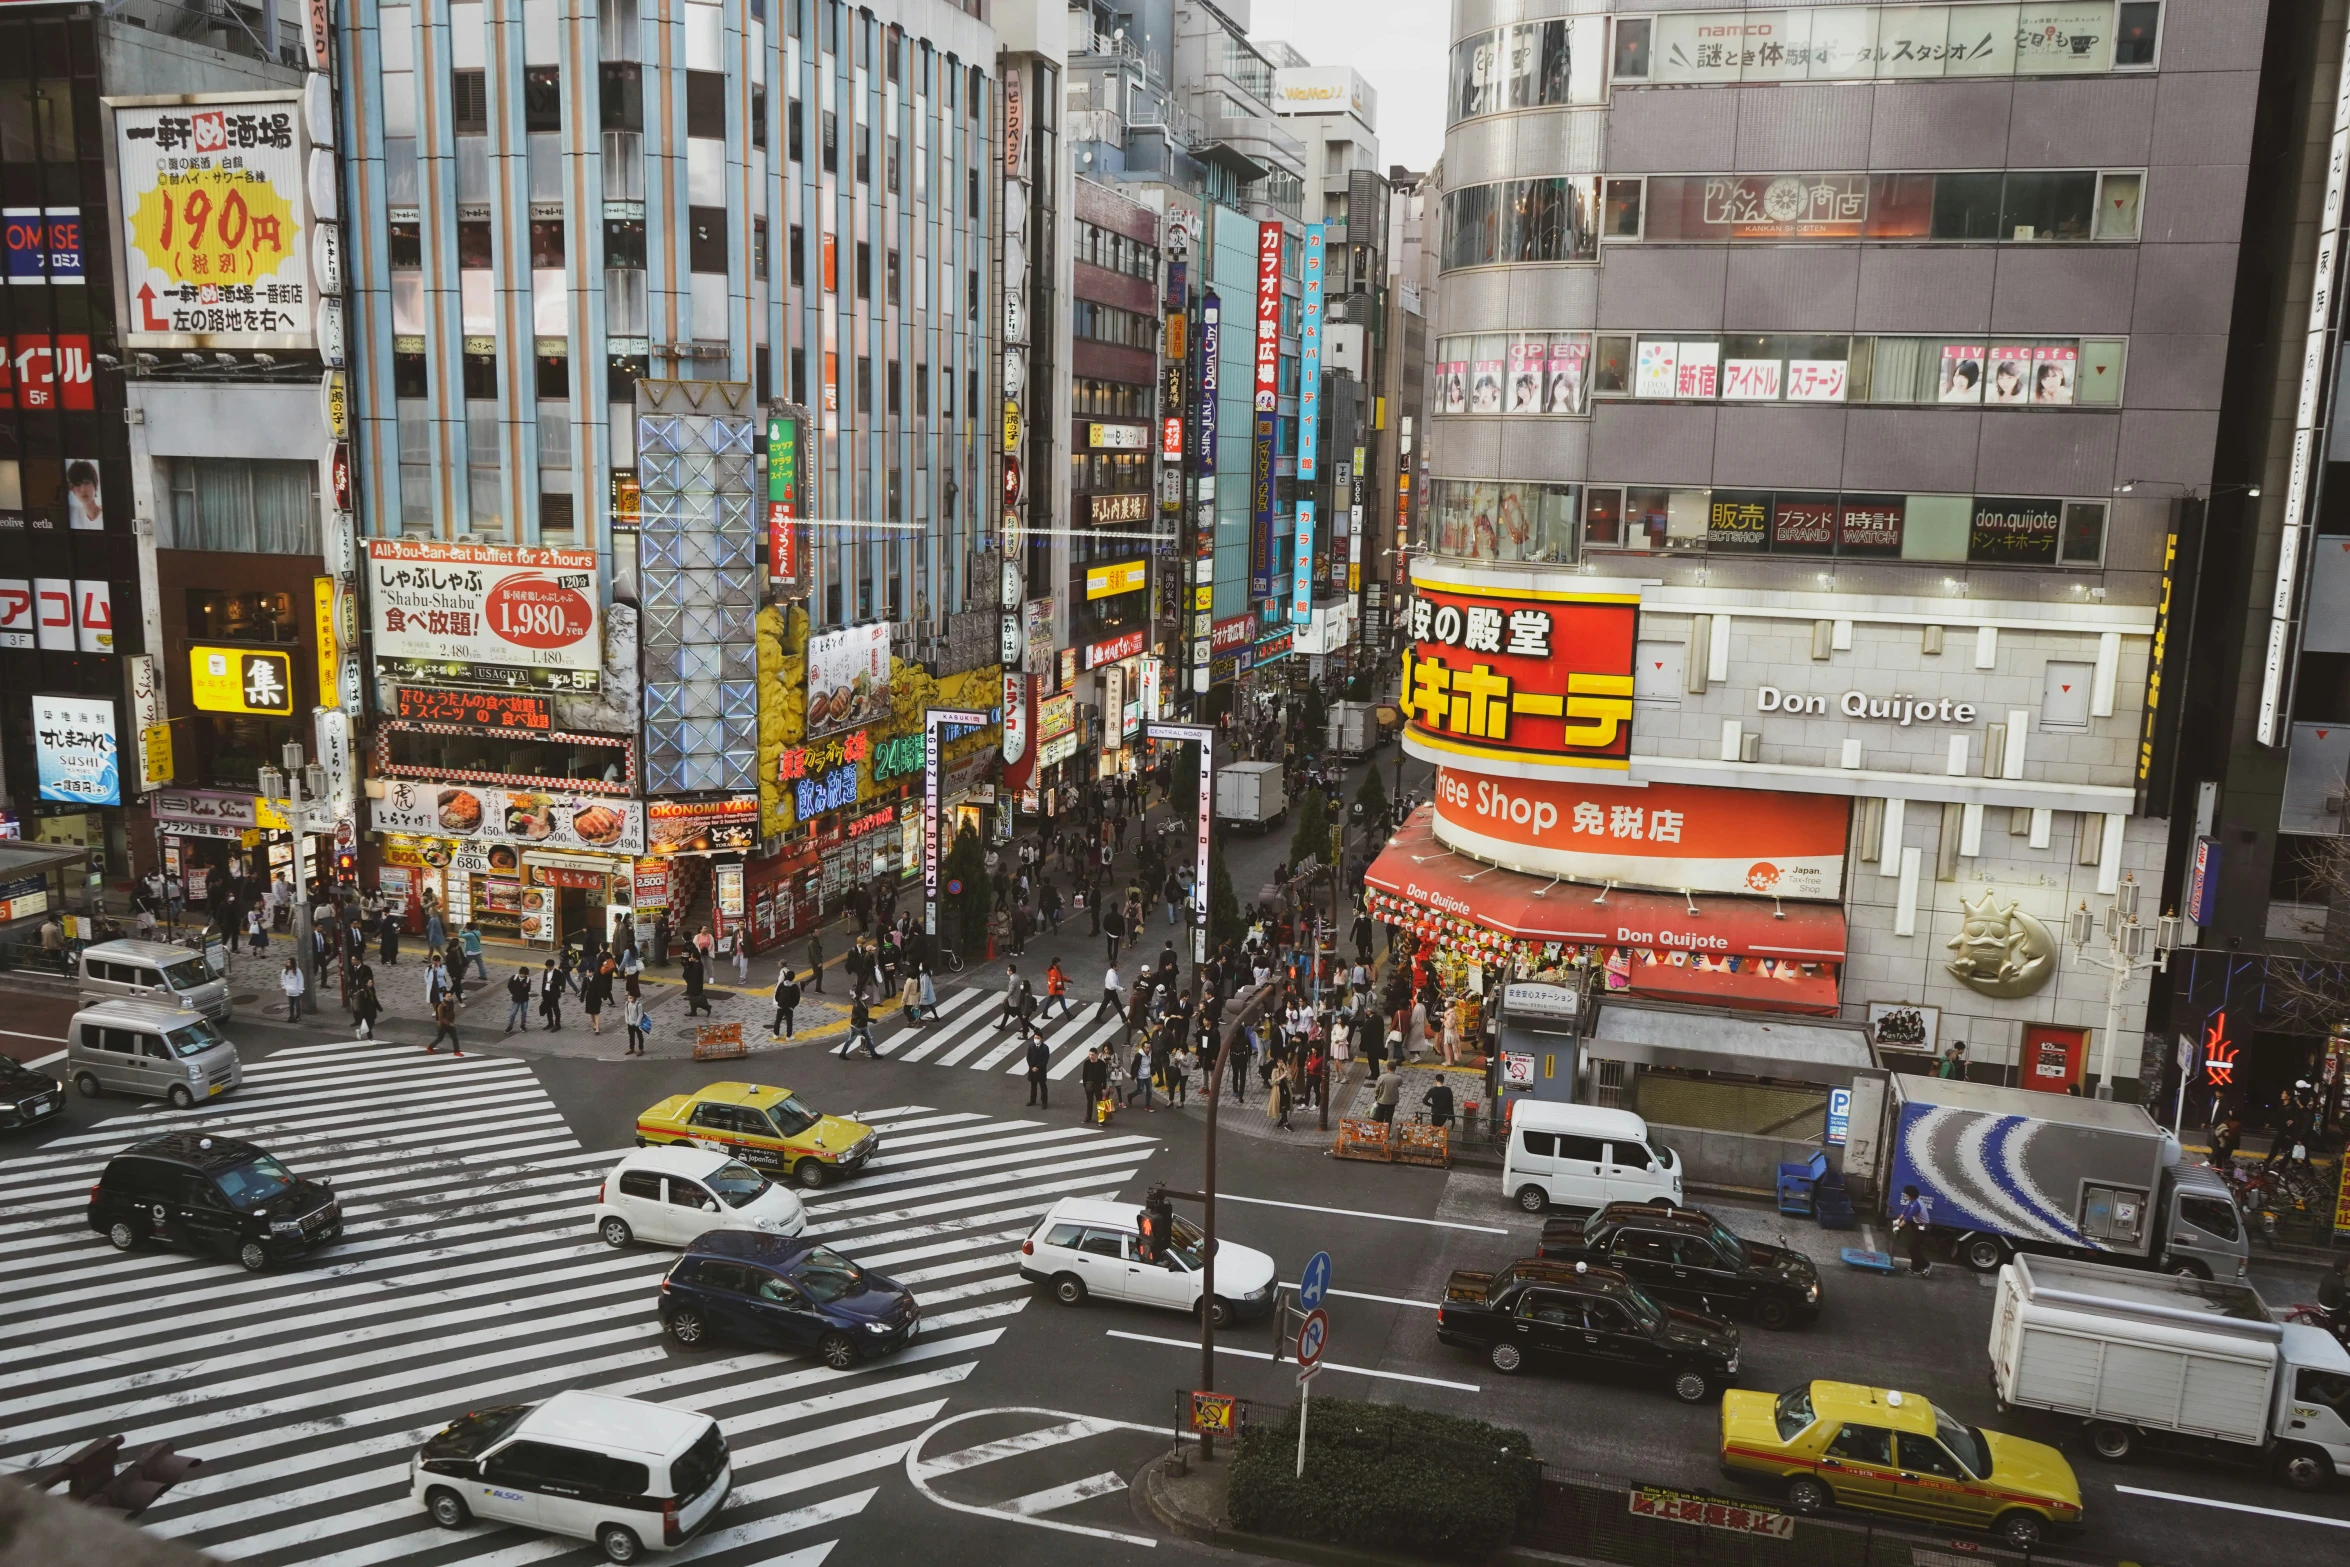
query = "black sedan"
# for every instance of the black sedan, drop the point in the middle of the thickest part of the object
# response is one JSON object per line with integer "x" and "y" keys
{"x": 27, "y": 1097}
{"x": 1586, "y": 1319}
{"x": 1687, "y": 1257}
{"x": 787, "y": 1292}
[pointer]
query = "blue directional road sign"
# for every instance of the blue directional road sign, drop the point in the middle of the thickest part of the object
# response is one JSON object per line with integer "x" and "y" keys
{"x": 1314, "y": 1283}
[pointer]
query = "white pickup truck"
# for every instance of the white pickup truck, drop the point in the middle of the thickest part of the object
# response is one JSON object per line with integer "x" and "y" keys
{"x": 2159, "y": 1360}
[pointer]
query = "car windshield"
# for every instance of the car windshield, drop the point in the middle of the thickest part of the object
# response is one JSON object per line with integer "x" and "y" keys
{"x": 1184, "y": 1240}
{"x": 16, "y": 1072}
{"x": 738, "y": 1185}
{"x": 1729, "y": 1245}
{"x": 1648, "y": 1311}
{"x": 467, "y": 1435}
{"x": 827, "y": 1275}
{"x": 186, "y": 974}
{"x": 792, "y": 1117}
{"x": 1966, "y": 1444}
{"x": 193, "y": 1039}
{"x": 1793, "y": 1412}
{"x": 256, "y": 1181}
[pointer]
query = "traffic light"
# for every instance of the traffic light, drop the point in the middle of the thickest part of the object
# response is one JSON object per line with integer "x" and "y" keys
{"x": 1158, "y": 1222}
{"x": 346, "y": 863}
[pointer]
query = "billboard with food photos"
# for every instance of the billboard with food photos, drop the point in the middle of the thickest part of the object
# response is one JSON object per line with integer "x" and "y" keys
{"x": 496, "y": 615}
{"x": 478, "y": 814}
{"x": 848, "y": 679}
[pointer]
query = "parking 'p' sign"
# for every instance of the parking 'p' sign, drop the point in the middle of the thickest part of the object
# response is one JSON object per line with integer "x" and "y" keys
{"x": 1314, "y": 1283}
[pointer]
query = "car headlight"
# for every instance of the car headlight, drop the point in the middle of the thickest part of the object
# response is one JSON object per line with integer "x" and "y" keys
{"x": 7, "y": 1107}
{"x": 877, "y": 1327}
{"x": 1812, "y": 1290}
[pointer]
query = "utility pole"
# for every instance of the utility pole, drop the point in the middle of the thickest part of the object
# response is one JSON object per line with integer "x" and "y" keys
{"x": 2126, "y": 953}
{"x": 301, "y": 785}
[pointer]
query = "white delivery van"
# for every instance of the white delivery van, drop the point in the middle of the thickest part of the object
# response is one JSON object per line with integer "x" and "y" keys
{"x": 2161, "y": 1360}
{"x": 1585, "y": 1156}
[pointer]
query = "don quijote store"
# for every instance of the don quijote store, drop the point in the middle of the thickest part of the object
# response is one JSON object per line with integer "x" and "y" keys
{"x": 504, "y": 787}
{"x": 1761, "y": 842}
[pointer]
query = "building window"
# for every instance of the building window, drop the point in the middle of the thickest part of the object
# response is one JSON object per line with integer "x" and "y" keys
{"x": 799, "y": 376}
{"x": 758, "y": 116}
{"x": 469, "y": 103}
{"x": 831, "y": 147}
{"x": 1483, "y": 223}
{"x": 891, "y": 265}
{"x": 921, "y": 391}
{"x": 707, "y": 226}
{"x": 1548, "y": 219}
{"x": 1101, "y": 323}
{"x": 1497, "y": 372}
{"x": 249, "y": 505}
{"x": 620, "y": 96}
{"x": 890, "y": 165}
{"x": 797, "y": 256}
{"x": 409, "y": 377}
{"x": 864, "y": 154}
{"x": 864, "y": 383}
{"x": 624, "y": 243}
{"x": 893, "y": 401}
{"x": 864, "y": 269}
{"x": 759, "y": 248}
{"x": 705, "y": 105}
{"x": 797, "y": 143}
{"x": 542, "y": 99}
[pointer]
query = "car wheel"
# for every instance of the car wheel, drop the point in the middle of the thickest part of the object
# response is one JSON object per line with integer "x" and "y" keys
{"x": 2304, "y": 1468}
{"x": 1506, "y": 1358}
{"x": 1983, "y": 1254}
{"x": 1533, "y": 1198}
{"x": 1691, "y": 1387}
{"x": 689, "y": 1327}
{"x": 87, "y": 1084}
{"x": 180, "y": 1096}
{"x": 1808, "y": 1496}
{"x": 619, "y": 1543}
{"x": 1069, "y": 1289}
{"x": 2019, "y": 1530}
{"x": 1220, "y": 1312}
{"x": 1773, "y": 1312}
{"x": 1665, "y": 1203}
{"x": 2111, "y": 1442}
{"x": 254, "y": 1256}
{"x": 837, "y": 1350}
{"x": 616, "y": 1232}
{"x": 2184, "y": 1269}
{"x": 122, "y": 1235}
{"x": 448, "y": 1509}
{"x": 811, "y": 1174}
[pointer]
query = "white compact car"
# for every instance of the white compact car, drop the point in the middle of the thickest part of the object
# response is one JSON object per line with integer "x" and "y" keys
{"x": 671, "y": 1194}
{"x": 631, "y": 1476}
{"x": 1086, "y": 1247}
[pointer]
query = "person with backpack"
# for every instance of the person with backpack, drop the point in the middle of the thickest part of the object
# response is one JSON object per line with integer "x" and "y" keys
{"x": 632, "y": 1013}
{"x": 787, "y": 1001}
{"x": 1019, "y": 1002}
{"x": 860, "y": 1030}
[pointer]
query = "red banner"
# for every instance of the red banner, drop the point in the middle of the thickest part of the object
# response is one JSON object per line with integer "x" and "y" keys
{"x": 1521, "y": 676}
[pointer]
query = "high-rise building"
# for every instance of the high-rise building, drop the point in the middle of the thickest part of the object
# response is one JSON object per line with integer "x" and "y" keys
{"x": 1820, "y": 399}
{"x": 1408, "y": 301}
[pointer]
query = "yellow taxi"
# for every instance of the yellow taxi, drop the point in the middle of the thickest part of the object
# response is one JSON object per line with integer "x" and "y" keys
{"x": 1838, "y": 1443}
{"x": 767, "y": 1127}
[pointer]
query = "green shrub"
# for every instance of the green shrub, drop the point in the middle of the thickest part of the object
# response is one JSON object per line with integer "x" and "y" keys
{"x": 1385, "y": 1478}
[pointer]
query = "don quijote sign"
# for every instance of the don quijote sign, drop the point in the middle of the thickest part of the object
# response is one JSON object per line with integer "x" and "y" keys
{"x": 1901, "y": 708}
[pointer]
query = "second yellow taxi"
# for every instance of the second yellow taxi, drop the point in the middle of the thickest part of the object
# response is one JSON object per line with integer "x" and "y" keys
{"x": 771, "y": 1128}
{"x": 1839, "y": 1443}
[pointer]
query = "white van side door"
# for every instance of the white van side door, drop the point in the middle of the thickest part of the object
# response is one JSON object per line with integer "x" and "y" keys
{"x": 1578, "y": 1179}
{"x": 1632, "y": 1173}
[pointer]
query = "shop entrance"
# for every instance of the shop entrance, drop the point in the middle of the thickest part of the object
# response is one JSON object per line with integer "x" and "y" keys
{"x": 574, "y": 913}
{"x": 2051, "y": 1058}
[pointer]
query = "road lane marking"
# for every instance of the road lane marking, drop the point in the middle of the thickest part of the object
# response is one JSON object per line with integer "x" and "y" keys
{"x": 1389, "y": 1300}
{"x": 1107, "y": 1483}
{"x": 1327, "y": 1365}
{"x": 1026, "y": 1442}
{"x": 2234, "y": 1507}
{"x": 917, "y": 1478}
{"x": 1352, "y": 1213}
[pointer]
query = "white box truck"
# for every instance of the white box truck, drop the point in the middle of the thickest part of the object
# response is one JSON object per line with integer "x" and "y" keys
{"x": 2163, "y": 1361}
{"x": 1250, "y": 793}
{"x": 1354, "y": 730}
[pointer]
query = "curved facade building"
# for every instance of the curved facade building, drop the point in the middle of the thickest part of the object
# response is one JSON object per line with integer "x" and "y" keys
{"x": 1821, "y": 394}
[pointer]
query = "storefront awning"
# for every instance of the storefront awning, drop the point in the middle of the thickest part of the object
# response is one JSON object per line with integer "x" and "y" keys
{"x": 1415, "y": 867}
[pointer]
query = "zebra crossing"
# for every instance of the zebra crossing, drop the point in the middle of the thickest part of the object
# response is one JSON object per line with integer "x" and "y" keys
{"x": 469, "y": 1275}
{"x": 966, "y": 1034}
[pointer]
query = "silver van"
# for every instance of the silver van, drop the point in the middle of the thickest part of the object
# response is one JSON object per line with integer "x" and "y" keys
{"x": 149, "y": 1048}
{"x": 153, "y": 971}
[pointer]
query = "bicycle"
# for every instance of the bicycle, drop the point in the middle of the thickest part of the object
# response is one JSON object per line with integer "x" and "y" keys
{"x": 948, "y": 958}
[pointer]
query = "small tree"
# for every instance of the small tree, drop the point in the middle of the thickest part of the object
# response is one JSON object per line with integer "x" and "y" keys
{"x": 1371, "y": 795}
{"x": 966, "y": 911}
{"x": 1315, "y": 714}
{"x": 1223, "y": 907}
{"x": 1310, "y": 838}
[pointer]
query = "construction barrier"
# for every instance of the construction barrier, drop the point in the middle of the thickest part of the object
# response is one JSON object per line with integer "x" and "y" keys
{"x": 719, "y": 1041}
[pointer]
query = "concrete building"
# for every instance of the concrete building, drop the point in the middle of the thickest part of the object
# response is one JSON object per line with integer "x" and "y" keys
{"x": 1407, "y": 303}
{"x": 1820, "y": 397}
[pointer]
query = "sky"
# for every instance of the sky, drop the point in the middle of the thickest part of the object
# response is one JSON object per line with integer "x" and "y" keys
{"x": 1397, "y": 45}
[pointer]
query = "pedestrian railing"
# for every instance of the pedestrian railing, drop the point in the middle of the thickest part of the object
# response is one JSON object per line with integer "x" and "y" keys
{"x": 30, "y": 957}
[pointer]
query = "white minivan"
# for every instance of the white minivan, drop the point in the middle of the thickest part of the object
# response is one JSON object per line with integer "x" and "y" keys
{"x": 1585, "y": 1156}
{"x": 629, "y": 1475}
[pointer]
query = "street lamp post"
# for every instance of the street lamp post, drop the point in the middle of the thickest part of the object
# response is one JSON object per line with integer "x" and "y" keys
{"x": 301, "y": 785}
{"x": 2130, "y": 947}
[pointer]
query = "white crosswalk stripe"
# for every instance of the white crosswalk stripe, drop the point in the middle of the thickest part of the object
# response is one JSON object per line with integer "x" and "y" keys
{"x": 967, "y": 1033}
{"x": 469, "y": 1275}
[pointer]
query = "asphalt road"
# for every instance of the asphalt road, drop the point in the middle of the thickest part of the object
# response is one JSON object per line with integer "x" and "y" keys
{"x": 470, "y": 1276}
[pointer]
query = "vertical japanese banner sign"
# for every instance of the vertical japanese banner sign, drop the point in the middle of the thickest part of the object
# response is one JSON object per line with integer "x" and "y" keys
{"x": 1309, "y": 420}
{"x": 1207, "y": 814}
{"x": 783, "y": 486}
{"x": 930, "y": 749}
{"x": 1268, "y": 402}
{"x": 330, "y": 653}
{"x": 1210, "y": 336}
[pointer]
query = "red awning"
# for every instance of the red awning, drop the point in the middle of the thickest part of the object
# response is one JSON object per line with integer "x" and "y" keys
{"x": 1786, "y": 989}
{"x": 1415, "y": 867}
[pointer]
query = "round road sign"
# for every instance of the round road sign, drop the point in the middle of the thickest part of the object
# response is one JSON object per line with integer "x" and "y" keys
{"x": 1313, "y": 1335}
{"x": 1314, "y": 1282}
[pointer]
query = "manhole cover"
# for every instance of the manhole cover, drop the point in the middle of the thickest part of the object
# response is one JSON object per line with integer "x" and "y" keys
{"x": 244, "y": 998}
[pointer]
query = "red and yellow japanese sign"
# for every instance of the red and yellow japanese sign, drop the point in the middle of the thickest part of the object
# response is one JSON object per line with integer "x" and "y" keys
{"x": 1520, "y": 676}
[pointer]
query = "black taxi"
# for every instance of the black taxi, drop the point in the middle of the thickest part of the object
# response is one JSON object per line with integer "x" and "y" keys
{"x": 1585, "y": 1319}
{"x": 1687, "y": 1257}
{"x": 219, "y": 1194}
